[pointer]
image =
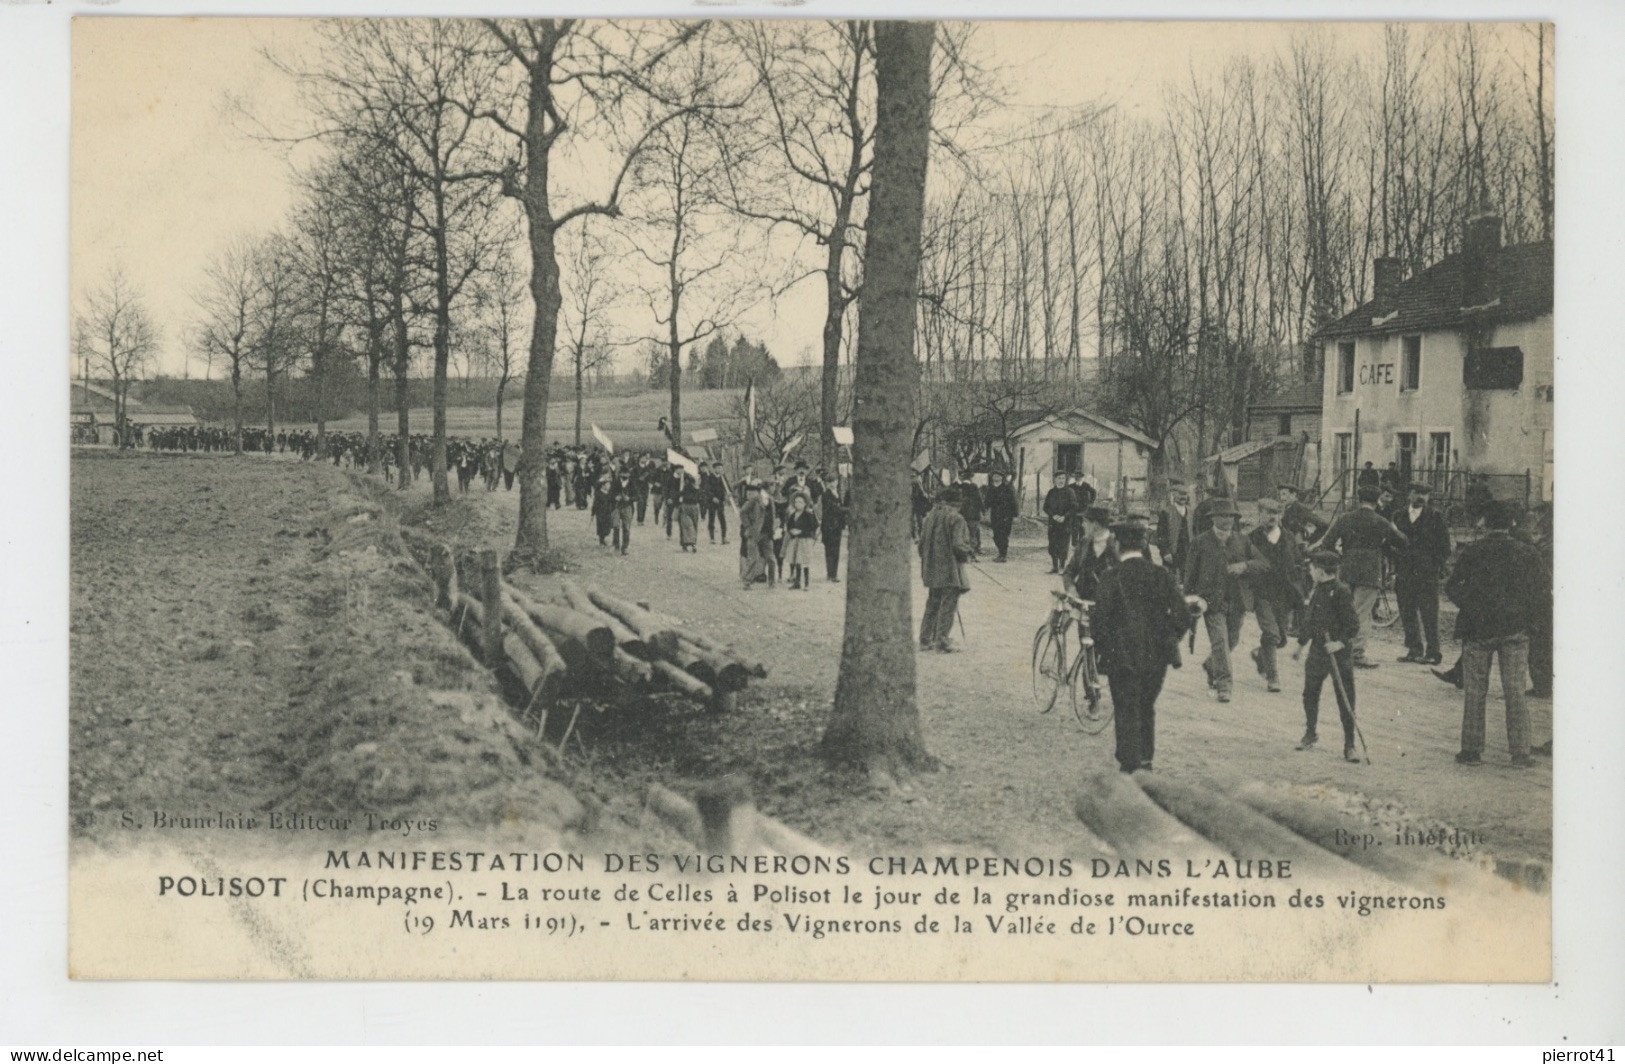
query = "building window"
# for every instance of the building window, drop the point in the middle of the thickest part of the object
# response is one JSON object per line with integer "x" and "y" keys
{"x": 1439, "y": 450}
{"x": 1284, "y": 426}
{"x": 1493, "y": 369}
{"x": 1344, "y": 452}
{"x": 1069, "y": 458}
{"x": 1345, "y": 367}
{"x": 1407, "y": 453}
{"x": 1410, "y": 368}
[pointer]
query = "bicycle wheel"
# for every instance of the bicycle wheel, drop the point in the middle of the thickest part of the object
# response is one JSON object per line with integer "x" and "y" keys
{"x": 1384, "y": 612}
{"x": 1091, "y": 703}
{"x": 1049, "y": 665}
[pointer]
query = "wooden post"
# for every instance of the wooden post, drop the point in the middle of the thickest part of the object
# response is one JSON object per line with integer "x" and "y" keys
{"x": 491, "y": 601}
{"x": 444, "y": 571}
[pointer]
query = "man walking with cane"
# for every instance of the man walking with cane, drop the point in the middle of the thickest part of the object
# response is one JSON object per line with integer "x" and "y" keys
{"x": 1329, "y": 628}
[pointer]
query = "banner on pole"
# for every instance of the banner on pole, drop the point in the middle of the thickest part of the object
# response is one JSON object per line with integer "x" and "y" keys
{"x": 842, "y": 434}
{"x": 795, "y": 441}
{"x": 603, "y": 438}
{"x": 682, "y": 461}
{"x": 703, "y": 435}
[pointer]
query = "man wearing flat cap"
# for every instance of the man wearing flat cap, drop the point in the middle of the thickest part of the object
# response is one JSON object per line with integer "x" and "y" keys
{"x": 1417, "y": 564}
{"x": 1220, "y": 565}
{"x": 1360, "y": 536}
{"x": 1277, "y": 590}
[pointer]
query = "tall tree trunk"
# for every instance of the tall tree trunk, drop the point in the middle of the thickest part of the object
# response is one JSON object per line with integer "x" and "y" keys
{"x": 834, "y": 311}
{"x": 375, "y": 358}
{"x": 442, "y": 355}
{"x": 580, "y": 369}
{"x": 403, "y": 426}
{"x": 875, "y": 721}
{"x": 546, "y": 299}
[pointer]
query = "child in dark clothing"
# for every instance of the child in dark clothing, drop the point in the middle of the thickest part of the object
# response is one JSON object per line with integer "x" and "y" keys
{"x": 1329, "y": 626}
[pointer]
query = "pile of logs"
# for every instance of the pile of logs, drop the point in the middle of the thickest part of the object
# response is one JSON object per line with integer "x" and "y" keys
{"x": 566, "y": 641}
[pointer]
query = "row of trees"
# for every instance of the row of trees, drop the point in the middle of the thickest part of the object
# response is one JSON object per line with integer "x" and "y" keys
{"x": 1176, "y": 266}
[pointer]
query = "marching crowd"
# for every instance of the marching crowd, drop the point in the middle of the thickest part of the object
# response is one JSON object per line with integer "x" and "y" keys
{"x": 1146, "y": 580}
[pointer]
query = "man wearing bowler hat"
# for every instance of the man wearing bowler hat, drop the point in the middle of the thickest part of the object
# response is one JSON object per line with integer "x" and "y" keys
{"x": 1139, "y": 618}
{"x": 1417, "y": 564}
{"x": 1217, "y": 572}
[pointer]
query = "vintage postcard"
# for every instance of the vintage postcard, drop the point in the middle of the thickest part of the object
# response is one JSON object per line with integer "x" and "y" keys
{"x": 791, "y": 500}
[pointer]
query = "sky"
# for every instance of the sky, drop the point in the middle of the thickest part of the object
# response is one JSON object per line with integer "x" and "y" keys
{"x": 166, "y": 168}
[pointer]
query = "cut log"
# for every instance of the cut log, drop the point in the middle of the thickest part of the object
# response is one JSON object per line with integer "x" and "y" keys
{"x": 682, "y": 681}
{"x": 659, "y": 632}
{"x": 720, "y": 672}
{"x": 755, "y": 668}
{"x": 1113, "y": 807}
{"x": 677, "y": 811}
{"x": 543, "y": 648}
{"x": 632, "y": 671}
{"x": 542, "y": 681}
{"x": 625, "y": 637}
{"x": 1247, "y": 835}
{"x": 1361, "y": 842}
{"x": 596, "y": 639}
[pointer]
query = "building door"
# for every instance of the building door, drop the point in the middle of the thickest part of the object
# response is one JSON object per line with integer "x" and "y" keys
{"x": 1407, "y": 454}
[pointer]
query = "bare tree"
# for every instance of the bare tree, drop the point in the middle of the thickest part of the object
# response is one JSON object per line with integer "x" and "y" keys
{"x": 274, "y": 324}
{"x": 875, "y": 721}
{"x": 227, "y": 307}
{"x": 569, "y": 77}
{"x": 114, "y": 333}
{"x": 692, "y": 242}
{"x": 500, "y": 296}
{"x": 589, "y": 295}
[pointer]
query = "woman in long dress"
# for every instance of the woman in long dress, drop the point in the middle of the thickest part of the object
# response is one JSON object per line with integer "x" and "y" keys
{"x": 800, "y": 534}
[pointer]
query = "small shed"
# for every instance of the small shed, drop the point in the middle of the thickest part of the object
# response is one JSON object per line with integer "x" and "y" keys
{"x": 1113, "y": 458}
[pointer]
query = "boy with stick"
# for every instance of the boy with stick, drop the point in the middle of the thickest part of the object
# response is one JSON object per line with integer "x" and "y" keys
{"x": 1331, "y": 625}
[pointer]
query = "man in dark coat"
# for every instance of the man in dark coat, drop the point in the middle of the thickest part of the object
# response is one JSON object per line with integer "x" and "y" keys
{"x": 1060, "y": 504}
{"x": 1001, "y": 513}
{"x": 1137, "y": 623}
{"x": 1217, "y": 573}
{"x": 970, "y": 508}
{"x": 1329, "y": 626}
{"x": 1497, "y": 584}
{"x": 1095, "y": 553}
{"x": 1417, "y": 564}
{"x": 1277, "y": 590}
{"x": 1298, "y": 518}
{"x": 1360, "y": 536}
{"x": 1176, "y": 527}
{"x": 831, "y": 524}
{"x": 944, "y": 550}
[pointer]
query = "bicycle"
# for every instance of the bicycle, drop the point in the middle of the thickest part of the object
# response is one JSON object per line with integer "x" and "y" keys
{"x": 1079, "y": 676}
{"x": 1385, "y": 610}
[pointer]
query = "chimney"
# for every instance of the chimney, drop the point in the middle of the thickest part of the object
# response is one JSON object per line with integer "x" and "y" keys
{"x": 1387, "y": 273}
{"x": 1478, "y": 255}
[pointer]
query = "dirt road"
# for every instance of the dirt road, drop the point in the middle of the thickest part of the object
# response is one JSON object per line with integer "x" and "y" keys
{"x": 1008, "y": 772}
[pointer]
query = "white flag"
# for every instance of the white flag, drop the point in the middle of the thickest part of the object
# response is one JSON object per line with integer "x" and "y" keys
{"x": 601, "y": 437}
{"x": 795, "y": 442}
{"x": 683, "y": 462}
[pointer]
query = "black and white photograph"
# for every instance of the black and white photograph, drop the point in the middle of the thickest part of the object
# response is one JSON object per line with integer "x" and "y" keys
{"x": 791, "y": 499}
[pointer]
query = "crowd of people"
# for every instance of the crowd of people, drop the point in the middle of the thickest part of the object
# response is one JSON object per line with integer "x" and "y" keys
{"x": 1148, "y": 578}
{"x": 1317, "y": 582}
